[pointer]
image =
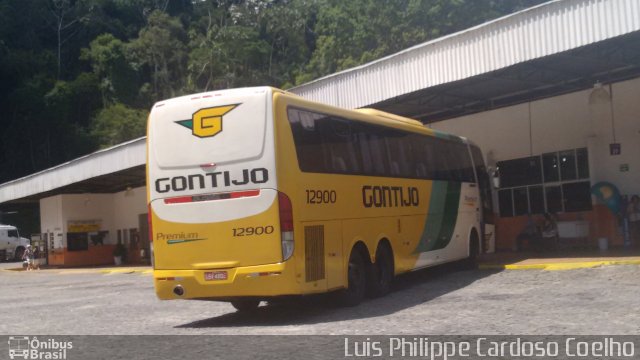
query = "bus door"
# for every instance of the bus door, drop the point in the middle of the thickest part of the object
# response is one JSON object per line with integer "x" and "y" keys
{"x": 487, "y": 217}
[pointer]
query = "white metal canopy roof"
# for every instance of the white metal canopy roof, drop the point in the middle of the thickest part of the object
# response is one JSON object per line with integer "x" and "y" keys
{"x": 535, "y": 33}
{"x": 556, "y": 47}
{"x": 125, "y": 159}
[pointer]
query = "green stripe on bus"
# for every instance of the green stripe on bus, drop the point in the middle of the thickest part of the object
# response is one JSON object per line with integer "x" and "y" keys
{"x": 447, "y": 137}
{"x": 442, "y": 216}
{"x": 434, "y": 216}
{"x": 450, "y": 216}
{"x": 180, "y": 241}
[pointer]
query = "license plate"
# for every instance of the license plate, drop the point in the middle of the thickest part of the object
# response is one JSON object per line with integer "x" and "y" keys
{"x": 215, "y": 275}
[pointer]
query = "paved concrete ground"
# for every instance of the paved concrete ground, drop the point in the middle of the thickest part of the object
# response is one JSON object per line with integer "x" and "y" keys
{"x": 602, "y": 300}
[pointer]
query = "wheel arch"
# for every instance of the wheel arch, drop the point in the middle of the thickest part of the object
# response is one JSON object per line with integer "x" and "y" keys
{"x": 361, "y": 246}
{"x": 474, "y": 242}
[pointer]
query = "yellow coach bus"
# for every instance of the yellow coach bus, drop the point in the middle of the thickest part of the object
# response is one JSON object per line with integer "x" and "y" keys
{"x": 255, "y": 193}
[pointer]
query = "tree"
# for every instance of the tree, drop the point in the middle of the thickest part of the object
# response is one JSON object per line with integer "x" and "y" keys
{"x": 67, "y": 14}
{"x": 160, "y": 48}
{"x": 287, "y": 27}
{"x": 349, "y": 33}
{"x": 108, "y": 58}
{"x": 75, "y": 73}
{"x": 118, "y": 123}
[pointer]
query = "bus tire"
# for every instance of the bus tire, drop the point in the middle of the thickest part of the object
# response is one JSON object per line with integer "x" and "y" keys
{"x": 381, "y": 272}
{"x": 357, "y": 280}
{"x": 471, "y": 263}
{"x": 247, "y": 305}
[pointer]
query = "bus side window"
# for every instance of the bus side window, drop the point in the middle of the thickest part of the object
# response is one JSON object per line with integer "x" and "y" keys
{"x": 308, "y": 142}
{"x": 378, "y": 152}
{"x": 463, "y": 160}
{"x": 365, "y": 152}
{"x": 392, "y": 156}
{"x": 423, "y": 156}
{"x": 399, "y": 159}
{"x": 339, "y": 149}
{"x": 450, "y": 161}
{"x": 437, "y": 151}
{"x": 408, "y": 163}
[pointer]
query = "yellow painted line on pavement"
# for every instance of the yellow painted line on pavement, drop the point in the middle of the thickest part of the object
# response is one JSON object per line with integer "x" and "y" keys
{"x": 116, "y": 271}
{"x": 13, "y": 269}
{"x": 558, "y": 266}
{"x": 72, "y": 272}
{"x": 124, "y": 271}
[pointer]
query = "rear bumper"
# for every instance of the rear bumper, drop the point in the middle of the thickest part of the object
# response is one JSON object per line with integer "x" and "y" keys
{"x": 254, "y": 281}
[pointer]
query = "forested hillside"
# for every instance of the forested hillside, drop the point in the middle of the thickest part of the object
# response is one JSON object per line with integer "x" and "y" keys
{"x": 81, "y": 75}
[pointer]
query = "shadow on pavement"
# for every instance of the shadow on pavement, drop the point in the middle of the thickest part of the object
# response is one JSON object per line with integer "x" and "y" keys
{"x": 409, "y": 290}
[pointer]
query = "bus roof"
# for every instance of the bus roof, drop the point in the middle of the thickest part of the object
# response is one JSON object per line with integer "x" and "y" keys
{"x": 223, "y": 92}
{"x": 387, "y": 118}
{"x": 386, "y": 115}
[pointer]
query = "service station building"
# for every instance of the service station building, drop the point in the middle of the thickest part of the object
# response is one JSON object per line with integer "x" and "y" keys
{"x": 551, "y": 95}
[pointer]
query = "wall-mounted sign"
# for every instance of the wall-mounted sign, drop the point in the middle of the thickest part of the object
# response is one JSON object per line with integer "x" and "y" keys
{"x": 82, "y": 226}
{"x": 624, "y": 167}
{"x": 615, "y": 149}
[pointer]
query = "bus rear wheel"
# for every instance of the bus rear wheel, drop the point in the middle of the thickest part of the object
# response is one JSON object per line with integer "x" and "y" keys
{"x": 381, "y": 272}
{"x": 246, "y": 305}
{"x": 357, "y": 281}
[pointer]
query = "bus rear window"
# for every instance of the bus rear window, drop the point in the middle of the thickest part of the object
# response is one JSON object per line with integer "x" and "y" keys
{"x": 241, "y": 135}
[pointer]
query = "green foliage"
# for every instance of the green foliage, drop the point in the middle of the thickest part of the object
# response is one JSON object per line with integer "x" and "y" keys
{"x": 78, "y": 75}
{"x": 117, "y": 77}
{"x": 118, "y": 123}
{"x": 349, "y": 33}
{"x": 160, "y": 49}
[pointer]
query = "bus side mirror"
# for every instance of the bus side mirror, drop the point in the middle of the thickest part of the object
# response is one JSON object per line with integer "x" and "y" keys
{"x": 495, "y": 177}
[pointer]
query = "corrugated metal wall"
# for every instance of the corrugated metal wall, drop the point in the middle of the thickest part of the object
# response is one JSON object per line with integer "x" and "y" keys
{"x": 532, "y": 33}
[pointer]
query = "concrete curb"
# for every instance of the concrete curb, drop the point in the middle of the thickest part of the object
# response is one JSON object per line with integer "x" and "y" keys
{"x": 557, "y": 266}
{"x": 142, "y": 271}
{"x": 126, "y": 271}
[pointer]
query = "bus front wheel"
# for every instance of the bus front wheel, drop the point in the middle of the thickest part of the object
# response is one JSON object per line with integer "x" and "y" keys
{"x": 357, "y": 280}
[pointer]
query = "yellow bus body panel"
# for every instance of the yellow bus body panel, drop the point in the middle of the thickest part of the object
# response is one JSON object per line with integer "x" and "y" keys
{"x": 344, "y": 223}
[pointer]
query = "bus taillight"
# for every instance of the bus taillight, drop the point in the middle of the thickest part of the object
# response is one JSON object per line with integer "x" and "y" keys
{"x": 286, "y": 225}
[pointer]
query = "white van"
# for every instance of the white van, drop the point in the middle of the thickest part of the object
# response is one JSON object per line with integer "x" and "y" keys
{"x": 12, "y": 246}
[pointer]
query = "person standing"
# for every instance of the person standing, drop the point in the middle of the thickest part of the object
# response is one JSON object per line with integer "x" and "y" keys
{"x": 28, "y": 257}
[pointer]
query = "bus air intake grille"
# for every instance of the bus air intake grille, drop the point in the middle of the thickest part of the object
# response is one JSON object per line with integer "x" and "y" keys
{"x": 314, "y": 252}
